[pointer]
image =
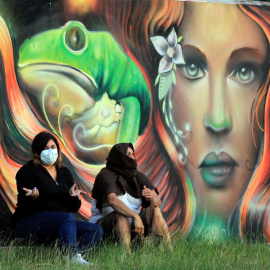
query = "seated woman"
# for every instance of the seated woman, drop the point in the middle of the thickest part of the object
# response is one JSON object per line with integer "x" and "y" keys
{"x": 46, "y": 196}
{"x": 120, "y": 192}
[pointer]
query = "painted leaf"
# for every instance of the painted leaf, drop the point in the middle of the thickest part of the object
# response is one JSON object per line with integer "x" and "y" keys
{"x": 167, "y": 120}
{"x": 179, "y": 39}
{"x": 157, "y": 79}
{"x": 163, "y": 106}
{"x": 165, "y": 85}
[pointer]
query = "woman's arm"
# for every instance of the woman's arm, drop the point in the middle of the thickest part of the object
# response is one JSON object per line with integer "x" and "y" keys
{"x": 72, "y": 197}
{"x": 26, "y": 183}
{"x": 149, "y": 191}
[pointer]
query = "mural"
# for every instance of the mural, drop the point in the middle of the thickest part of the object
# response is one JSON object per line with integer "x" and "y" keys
{"x": 186, "y": 82}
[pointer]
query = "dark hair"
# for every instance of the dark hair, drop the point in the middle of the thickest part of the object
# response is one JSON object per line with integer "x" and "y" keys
{"x": 39, "y": 143}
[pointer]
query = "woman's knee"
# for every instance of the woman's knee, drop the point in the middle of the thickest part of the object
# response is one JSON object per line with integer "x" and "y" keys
{"x": 122, "y": 221}
{"x": 97, "y": 229}
{"x": 67, "y": 218}
{"x": 84, "y": 227}
{"x": 89, "y": 234}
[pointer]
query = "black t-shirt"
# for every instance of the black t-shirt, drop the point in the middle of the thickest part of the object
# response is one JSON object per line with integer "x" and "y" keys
{"x": 53, "y": 195}
{"x": 110, "y": 182}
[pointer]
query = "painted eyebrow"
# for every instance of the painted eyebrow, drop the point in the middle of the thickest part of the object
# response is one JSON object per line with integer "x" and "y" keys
{"x": 238, "y": 52}
{"x": 194, "y": 48}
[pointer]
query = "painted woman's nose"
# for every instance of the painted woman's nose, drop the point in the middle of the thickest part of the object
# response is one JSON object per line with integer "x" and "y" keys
{"x": 222, "y": 125}
{"x": 217, "y": 118}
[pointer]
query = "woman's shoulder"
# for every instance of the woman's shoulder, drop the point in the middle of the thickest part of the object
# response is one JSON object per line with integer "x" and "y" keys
{"x": 105, "y": 172}
{"x": 105, "y": 175}
{"x": 27, "y": 168}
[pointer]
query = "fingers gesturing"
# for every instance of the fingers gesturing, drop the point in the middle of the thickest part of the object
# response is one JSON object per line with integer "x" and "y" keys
{"x": 32, "y": 193}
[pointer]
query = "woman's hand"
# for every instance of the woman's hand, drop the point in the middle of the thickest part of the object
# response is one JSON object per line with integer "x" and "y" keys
{"x": 148, "y": 194}
{"x": 76, "y": 192}
{"x": 32, "y": 193}
{"x": 138, "y": 224}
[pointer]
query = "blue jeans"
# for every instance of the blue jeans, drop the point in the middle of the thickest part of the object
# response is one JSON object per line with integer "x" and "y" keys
{"x": 50, "y": 226}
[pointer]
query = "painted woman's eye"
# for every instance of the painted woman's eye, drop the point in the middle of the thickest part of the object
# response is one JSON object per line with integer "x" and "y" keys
{"x": 75, "y": 38}
{"x": 244, "y": 74}
{"x": 193, "y": 71}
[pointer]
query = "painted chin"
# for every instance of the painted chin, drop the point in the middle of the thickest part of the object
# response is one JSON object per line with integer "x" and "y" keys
{"x": 217, "y": 170}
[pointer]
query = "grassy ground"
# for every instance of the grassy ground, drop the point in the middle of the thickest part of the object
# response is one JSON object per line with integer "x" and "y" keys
{"x": 188, "y": 254}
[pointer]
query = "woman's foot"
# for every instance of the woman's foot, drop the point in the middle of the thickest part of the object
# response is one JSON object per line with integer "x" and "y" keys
{"x": 78, "y": 259}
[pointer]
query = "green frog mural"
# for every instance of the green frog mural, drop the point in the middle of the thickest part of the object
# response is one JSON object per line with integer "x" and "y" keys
{"x": 84, "y": 87}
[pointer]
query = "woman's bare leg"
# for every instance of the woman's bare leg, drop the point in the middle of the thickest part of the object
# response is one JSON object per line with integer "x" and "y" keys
{"x": 159, "y": 225}
{"x": 122, "y": 230}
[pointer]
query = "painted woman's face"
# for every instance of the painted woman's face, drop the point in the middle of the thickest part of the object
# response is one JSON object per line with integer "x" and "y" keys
{"x": 225, "y": 53}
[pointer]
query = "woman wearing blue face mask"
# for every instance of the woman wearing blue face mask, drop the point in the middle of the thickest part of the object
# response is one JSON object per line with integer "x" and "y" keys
{"x": 46, "y": 196}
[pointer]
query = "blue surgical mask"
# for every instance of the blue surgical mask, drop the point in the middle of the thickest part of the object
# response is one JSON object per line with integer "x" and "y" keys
{"x": 49, "y": 156}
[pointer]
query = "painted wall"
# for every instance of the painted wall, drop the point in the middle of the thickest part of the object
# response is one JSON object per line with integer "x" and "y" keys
{"x": 186, "y": 82}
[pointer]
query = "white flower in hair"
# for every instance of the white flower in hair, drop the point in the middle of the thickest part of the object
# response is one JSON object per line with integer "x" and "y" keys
{"x": 170, "y": 50}
{"x": 172, "y": 55}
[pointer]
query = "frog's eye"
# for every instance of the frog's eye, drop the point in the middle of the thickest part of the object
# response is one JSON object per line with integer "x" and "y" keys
{"x": 75, "y": 38}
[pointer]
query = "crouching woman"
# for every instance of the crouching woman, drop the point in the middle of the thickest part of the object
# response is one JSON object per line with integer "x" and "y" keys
{"x": 125, "y": 202}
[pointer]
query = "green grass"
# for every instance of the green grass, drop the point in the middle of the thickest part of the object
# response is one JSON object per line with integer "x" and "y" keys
{"x": 188, "y": 254}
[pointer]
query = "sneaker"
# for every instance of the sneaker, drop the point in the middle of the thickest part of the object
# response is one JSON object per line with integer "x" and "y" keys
{"x": 78, "y": 259}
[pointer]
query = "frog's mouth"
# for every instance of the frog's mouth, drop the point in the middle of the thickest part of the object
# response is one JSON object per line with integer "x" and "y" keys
{"x": 63, "y": 92}
{"x": 33, "y": 73}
